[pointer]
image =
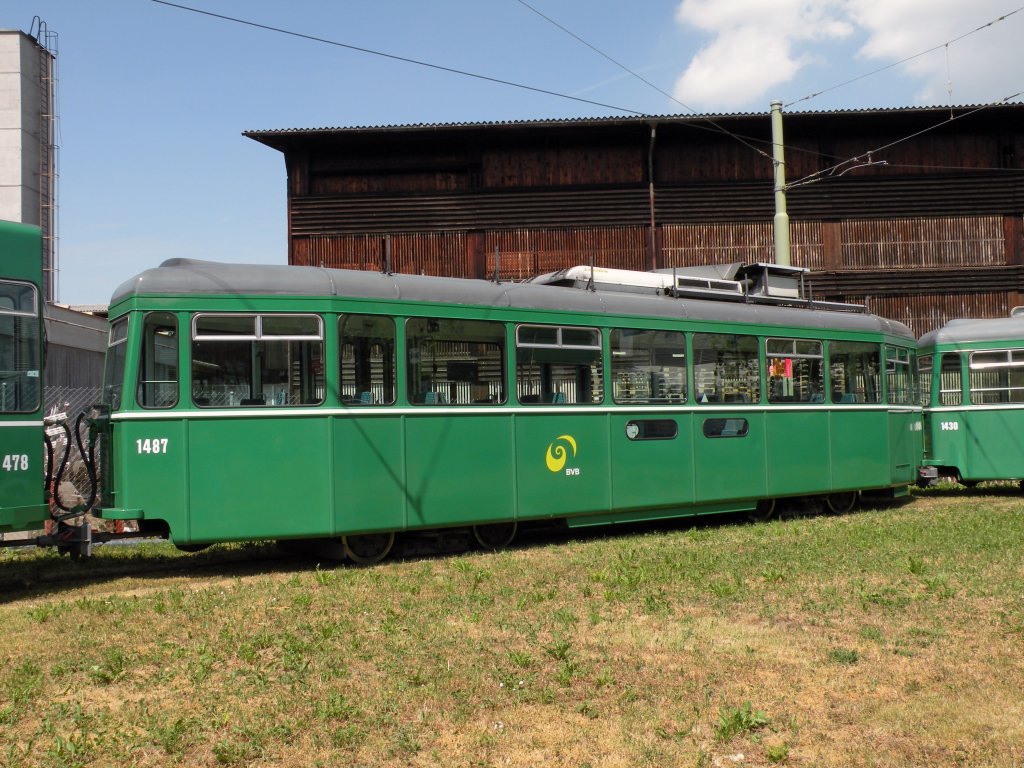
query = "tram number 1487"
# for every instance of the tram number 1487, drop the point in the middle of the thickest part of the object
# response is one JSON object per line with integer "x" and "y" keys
{"x": 151, "y": 445}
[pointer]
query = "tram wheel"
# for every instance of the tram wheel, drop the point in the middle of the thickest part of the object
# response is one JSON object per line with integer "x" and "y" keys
{"x": 841, "y": 503}
{"x": 495, "y": 535}
{"x": 763, "y": 512}
{"x": 368, "y": 548}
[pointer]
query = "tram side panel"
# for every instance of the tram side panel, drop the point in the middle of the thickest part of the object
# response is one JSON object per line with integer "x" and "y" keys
{"x": 905, "y": 445}
{"x": 729, "y": 455}
{"x": 148, "y": 459}
{"x": 458, "y": 469}
{"x": 859, "y": 448}
{"x": 797, "y": 445}
{"x": 21, "y": 477}
{"x": 261, "y": 477}
{"x": 993, "y": 443}
{"x": 371, "y": 492}
{"x": 652, "y": 463}
{"x": 562, "y": 464}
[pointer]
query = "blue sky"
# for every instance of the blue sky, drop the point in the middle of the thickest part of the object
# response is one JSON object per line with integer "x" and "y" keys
{"x": 153, "y": 99}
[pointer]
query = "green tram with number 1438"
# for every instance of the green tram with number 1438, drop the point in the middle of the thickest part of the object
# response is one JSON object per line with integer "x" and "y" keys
{"x": 972, "y": 387}
{"x": 274, "y": 402}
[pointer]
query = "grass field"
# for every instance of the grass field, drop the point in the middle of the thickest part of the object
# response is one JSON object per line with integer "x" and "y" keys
{"x": 888, "y": 637}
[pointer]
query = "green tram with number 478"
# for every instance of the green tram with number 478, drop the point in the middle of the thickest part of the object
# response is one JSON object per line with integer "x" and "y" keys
{"x": 972, "y": 386}
{"x": 278, "y": 402}
{"x": 23, "y": 503}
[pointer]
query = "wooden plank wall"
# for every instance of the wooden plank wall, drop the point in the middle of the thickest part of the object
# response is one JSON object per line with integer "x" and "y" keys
{"x": 932, "y": 230}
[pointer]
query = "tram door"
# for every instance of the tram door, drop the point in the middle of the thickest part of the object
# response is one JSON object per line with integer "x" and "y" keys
{"x": 729, "y": 426}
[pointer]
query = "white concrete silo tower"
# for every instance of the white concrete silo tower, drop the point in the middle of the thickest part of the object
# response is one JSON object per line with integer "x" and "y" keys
{"x": 28, "y": 137}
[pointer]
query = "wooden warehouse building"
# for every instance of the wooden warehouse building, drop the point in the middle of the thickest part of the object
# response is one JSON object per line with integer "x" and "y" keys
{"x": 925, "y": 228}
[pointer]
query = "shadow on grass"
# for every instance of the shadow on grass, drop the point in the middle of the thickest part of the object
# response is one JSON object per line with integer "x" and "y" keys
{"x": 30, "y": 573}
{"x": 989, "y": 489}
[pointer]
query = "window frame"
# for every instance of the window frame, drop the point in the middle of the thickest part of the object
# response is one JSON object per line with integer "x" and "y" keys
{"x": 794, "y": 354}
{"x": 679, "y": 352}
{"x": 558, "y": 397}
{"x": 754, "y": 355}
{"x": 177, "y": 363}
{"x": 258, "y": 336}
{"x": 38, "y": 345}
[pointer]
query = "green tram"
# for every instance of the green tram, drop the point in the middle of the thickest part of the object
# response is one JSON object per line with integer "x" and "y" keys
{"x": 22, "y": 493}
{"x": 252, "y": 402}
{"x": 972, "y": 387}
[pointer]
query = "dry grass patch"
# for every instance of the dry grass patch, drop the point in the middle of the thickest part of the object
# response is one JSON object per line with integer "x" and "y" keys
{"x": 889, "y": 637}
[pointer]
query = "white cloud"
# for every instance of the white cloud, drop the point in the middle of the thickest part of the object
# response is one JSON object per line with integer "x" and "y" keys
{"x": 983, "y": 66}
{"x": 756, "y": 47}
{"x": 753, "y": 47}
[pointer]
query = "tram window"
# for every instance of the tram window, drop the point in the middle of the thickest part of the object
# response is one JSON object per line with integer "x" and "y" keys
{"x": 367, "y": 359}
{"x": 158, "y": 361}
{"x": 20, "y": 389}
{"x": 257, "y": 360}
{"x": 796, "y": 371}
{"x": 854, "y": 368}
{"x": 899, "y": 375}
{"x": 113, "y": 369}
{"x": 924, "y": 377}
{"x": 725, "y": 428}
{"x": 997, "y": 377}
{"x": 558, "y": 365}
{"x": 455, "y": 362}
{"x": 950, "y": 379}
{"x": 648, "y": 366}
{"x": 726, "y": 368}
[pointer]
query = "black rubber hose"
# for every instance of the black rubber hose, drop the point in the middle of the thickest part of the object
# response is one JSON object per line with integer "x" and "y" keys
{"x": 48, "y": 476}
{"x": 89, "y": 459}
{"x": 60, "y": 470}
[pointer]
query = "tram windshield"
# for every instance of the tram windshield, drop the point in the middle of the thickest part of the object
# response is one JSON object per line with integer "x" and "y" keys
{"x": 20, "y": 388}
{"x": 113, "y": 371}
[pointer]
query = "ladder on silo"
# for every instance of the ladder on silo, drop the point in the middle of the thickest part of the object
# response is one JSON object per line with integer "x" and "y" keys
{"x": 48, "y": 154}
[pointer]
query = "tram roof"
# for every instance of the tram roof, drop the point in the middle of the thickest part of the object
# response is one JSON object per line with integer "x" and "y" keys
{"x": 973, "y": 330}
{"x": 189, "y": 277}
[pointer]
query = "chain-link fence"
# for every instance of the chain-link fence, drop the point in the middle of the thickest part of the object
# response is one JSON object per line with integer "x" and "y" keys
{"x": 70, "y": 400}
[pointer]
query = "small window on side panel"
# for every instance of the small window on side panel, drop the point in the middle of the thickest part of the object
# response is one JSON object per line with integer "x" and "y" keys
{"x": 367, "y": 360}
{"x": 924, "y": 377}
{"x": 950, "y": 379}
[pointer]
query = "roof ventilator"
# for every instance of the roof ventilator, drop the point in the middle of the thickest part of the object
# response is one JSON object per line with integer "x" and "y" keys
{"x": 751, "y": 283}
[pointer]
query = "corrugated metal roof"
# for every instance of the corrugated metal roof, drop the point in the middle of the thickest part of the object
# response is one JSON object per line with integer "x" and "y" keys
{"x": 615, "y": 120}
{"x": 196, "y": 278}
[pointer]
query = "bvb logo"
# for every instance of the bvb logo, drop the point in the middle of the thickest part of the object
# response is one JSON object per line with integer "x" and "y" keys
{"x": 557, "y": 454}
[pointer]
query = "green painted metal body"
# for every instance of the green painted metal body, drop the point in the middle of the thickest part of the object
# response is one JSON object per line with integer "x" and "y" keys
{"x": 968, "y": 436}
{"x": 22, "y": 494}
{"x": 335, "y": 469}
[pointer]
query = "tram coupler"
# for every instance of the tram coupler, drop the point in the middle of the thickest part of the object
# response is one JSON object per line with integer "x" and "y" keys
{"x": 74, "y": 540}
{"x": 927, "y": 476}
